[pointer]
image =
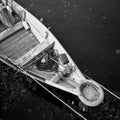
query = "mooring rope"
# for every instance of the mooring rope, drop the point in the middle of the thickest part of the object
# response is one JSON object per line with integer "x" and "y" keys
{"x": 23, "y": 71}
{"x": 80, "y": 115}
{"x": 60, "y": 100}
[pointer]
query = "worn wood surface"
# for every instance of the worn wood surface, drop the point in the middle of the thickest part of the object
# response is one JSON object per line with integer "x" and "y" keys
{"x": 11, "y": 40}
{"x": 8, "y": 32}
{"x": 17, "y": 42}
{"x": 33, "y": 52}
{"x": 24, "y": 49}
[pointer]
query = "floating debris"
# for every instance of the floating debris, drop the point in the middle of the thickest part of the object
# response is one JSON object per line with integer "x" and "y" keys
{"x": 31, "y": 5}
{"x": 29, "y": 80}
{"x": 23, "y": 91}
{"x": 41, "y": 19}
{"x": 102, "y": 26}
{"x": 90, "y": 8}
{"x": 68, "y": 3}
{"x": 64, "y": 16}
{"x": 65, "y": 11}
{"x": 105, "y": 37}
{"x": 49, "y": 11}
{"x": 73, "y": 103}
{"x": 49, "y": 28}
{"x": 34, "y": 88}
{"x": 43, "y": 115}
{"x": 88, "y": 18}
{"x": 28, "y": 110}
{"x": 104, "y": 17}
{"x": 38, "y": 108}
{"x": 117, "y": 51}
{"x": 74, "y": 6}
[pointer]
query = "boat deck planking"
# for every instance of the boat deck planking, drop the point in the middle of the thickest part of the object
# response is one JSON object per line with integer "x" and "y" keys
{"x": 11, "y": 40}
{"x": 33, "y": 53}
{"x": 21, "y": 42}
{"x": 10, "y": 31}
{"x": 24, "y": 49}
{"x": 17, "y": 41}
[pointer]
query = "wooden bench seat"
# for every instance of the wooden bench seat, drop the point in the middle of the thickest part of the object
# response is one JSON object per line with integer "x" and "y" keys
{"x": 13, "y": 39}
{"x": 16, "y": 41}
{"x": 32, "y": 53}
{"x": 8, "y": 32}
{"x": 24, "y": 47}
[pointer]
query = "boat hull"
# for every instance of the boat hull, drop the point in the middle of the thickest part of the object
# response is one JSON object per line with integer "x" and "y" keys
{"x": 43, "y": 34}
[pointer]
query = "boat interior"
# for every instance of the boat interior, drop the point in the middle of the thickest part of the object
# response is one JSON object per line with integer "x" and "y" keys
{"x": 38, "y": 57}
{"x": 22, "y": 47}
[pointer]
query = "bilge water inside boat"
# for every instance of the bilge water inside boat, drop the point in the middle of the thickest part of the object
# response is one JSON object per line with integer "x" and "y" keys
{"x": 28, "y": 46}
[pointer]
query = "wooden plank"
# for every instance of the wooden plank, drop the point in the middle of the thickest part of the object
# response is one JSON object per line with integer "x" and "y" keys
{"x": 26, "y": 49}
{"x": 19, "y": 54}
{"x": 21, "y": 41}
{"x": 22, "y": 50}
{"x": 32, "y": 53}
{"x": 6, "y": 33}
{"x": 21, "y": 45}
{"x": 13, "y": 39}
{"x": 24, "y": 41}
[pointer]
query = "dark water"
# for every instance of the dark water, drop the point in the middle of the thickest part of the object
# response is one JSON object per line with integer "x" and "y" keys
{"x": 89, "y": 30}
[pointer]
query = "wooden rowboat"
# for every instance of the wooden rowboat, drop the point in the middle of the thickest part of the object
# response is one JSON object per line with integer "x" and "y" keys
{"x": 28, "y": 46}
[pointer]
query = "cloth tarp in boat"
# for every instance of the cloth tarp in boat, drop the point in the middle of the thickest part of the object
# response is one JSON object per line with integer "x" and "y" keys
{"x": 6, "y": 17}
